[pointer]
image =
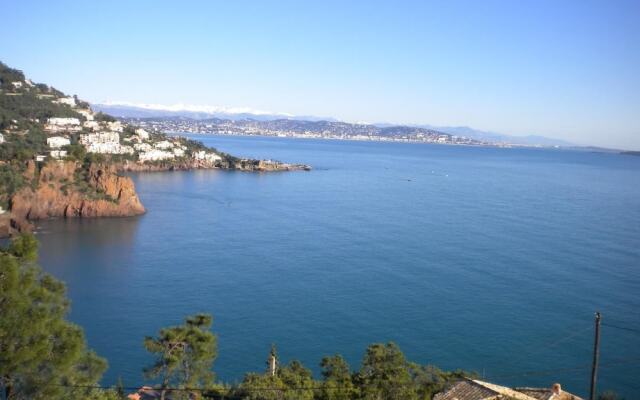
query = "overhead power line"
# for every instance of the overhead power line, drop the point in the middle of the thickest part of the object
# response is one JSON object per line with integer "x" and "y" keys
{"x": 321, "y": 387}
{"x": 568, "y": 369}
{"x": 622, "y": 328}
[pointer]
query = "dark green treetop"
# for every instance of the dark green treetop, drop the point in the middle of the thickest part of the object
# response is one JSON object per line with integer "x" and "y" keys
{"x": 42, "y": 355}
{"x": 184, "y": 354}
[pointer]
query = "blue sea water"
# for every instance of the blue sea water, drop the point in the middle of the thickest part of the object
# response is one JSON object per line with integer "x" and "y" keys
{"x": 486, "y": 259}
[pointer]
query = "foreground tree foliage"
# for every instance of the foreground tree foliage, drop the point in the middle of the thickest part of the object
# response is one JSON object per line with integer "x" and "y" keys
{"x": 384, "y": 374}
{"x": 41, "y": 353}
{"x": 337, "y": 379}
{"x": 184, "y": 355}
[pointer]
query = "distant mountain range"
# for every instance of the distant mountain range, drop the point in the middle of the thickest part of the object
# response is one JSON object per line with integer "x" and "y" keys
{"x": 130, "y": 110}
{"x": 494, "y": 137}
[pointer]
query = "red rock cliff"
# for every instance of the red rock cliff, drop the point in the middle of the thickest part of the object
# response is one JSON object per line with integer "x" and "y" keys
{"x": 63, "y": 189}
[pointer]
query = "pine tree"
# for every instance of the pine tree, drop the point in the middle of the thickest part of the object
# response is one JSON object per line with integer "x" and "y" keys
{"x": 385, "y": 374}
{"x": 184, "y": 354}
{"x": 41, "y": 353}
{"x": 337, "y": 381}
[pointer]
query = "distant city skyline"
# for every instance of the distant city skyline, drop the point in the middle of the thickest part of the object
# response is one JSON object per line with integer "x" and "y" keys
{"x": 566, "y": 70}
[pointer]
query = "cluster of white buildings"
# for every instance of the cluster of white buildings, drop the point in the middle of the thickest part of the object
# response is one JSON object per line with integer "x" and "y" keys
{"x": 104, "y": 143}
{"x": 164, "y": 150}
{"x": 105, "y": 138}
{"x": 56, "y": 143}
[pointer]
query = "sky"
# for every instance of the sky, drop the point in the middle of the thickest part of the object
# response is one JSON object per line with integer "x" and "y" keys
{"x": 563, "y": 69}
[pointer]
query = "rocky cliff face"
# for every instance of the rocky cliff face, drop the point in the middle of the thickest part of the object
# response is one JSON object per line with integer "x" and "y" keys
{"x": 63, "y": 189}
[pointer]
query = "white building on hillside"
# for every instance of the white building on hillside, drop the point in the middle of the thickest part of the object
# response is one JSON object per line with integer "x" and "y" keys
{"x": 70, "y": 101}
{"x": 100, "y": 137}
{"x": 58, "y": 154}
{"x": 59, "y": 121}
{"x": 104, "y": 143}
{"x": 93, "y": 125}
{"x": 55, "y": 142}
{"x": 155, "y": 155}
{"x": 1, "y": 138}
{"x": 144, "y": 135}
{"x": 142, "y": 146}
{"x": 165, "y": 144}
{"x": 87, "y": 114}
{"x": 116, "y": 126}
{"x": 63, "y": 124}
{"x": 203, "y": 155}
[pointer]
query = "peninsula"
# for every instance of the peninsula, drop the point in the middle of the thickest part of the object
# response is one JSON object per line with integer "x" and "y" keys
{"x": 59, "y": 158}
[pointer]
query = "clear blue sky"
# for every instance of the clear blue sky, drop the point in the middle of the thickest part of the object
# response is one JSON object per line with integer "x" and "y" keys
{"x": 564, "y": 69}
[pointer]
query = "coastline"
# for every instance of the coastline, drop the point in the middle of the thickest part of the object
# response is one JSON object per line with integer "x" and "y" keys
{"x": 379, "y": 139}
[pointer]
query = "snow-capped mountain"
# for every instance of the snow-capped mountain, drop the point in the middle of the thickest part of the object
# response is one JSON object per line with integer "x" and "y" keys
{"x": 140, "y": 110}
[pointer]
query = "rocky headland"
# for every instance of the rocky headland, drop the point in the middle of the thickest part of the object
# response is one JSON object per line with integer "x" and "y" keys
{"x": 60, "y": 189}
{"x": 60, "y": 159}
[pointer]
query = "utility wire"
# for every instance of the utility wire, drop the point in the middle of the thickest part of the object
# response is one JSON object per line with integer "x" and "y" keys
{"x": 622, "y": 361}
{"x": 569, "y": 369}
{"x": 551, "y": 343}
{"x": 621, "y": 327}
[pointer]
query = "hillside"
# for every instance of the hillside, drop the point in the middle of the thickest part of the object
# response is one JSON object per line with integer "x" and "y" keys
{"x": 59, "y": 158}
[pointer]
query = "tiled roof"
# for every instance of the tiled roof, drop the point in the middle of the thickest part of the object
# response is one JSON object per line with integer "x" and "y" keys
{"x": 467, "y": 390}
{"x": 505, "y": 391}
{"x": 148, "y": 393}
{"x": 473, "y": 389}
{"x": 539, "y": 394}
{"x": 544, "y": 394}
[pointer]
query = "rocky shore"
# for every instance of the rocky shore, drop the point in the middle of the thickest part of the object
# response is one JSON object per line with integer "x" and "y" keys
{"x": 238, "y": 165}
{"x": 53, "y": 190}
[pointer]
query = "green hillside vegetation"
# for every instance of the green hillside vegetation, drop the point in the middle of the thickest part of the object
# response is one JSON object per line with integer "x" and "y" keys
{"x": 28, "y": 106}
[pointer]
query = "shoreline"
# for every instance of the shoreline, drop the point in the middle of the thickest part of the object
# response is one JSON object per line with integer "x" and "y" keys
{"x": 408, "y": 141}
{"x": 50, "y": 203}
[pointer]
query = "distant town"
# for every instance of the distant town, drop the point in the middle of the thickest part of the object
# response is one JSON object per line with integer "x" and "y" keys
{"x": 291, "y": 128}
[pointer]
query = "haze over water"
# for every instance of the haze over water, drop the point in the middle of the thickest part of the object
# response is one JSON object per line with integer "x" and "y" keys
{"x": 485, "y": 259}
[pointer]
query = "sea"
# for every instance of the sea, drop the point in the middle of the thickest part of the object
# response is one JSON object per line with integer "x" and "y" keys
{"x": 493, "y": 260}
